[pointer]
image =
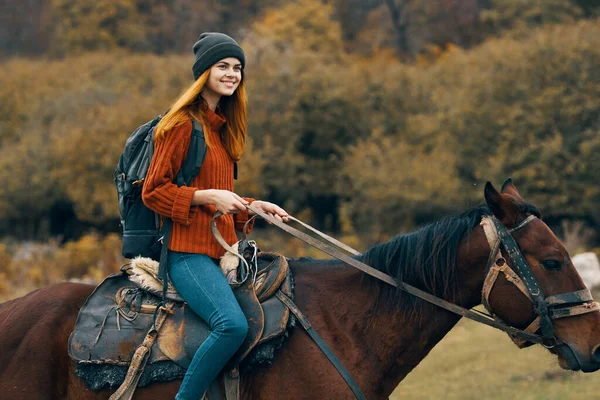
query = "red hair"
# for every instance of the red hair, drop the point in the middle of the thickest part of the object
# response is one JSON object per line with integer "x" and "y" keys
{"x": 187, "y": 106}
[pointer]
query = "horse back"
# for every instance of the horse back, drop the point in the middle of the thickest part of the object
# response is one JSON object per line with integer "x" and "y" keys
{"x": 34, "y": 329}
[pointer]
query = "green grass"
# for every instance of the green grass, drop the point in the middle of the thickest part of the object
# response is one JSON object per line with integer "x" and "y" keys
{"x": 477, "y": 362}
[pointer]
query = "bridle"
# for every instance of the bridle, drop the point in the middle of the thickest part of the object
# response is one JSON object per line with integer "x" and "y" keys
{"x": 546, "y": 308}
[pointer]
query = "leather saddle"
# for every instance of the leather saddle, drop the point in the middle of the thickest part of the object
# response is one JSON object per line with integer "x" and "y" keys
{"x": 118, "y": 315}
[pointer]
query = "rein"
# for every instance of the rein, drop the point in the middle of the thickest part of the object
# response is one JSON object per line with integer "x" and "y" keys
{"x": 546, "y": 307}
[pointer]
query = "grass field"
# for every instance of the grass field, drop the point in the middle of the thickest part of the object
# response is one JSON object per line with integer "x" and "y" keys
{"x": 475, "y": 362}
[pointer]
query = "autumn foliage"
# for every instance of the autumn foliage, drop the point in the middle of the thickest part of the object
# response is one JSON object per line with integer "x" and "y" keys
{"x": 352, "y": 126}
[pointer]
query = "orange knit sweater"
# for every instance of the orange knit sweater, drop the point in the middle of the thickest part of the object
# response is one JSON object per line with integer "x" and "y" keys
{"x": 191, "y": 224}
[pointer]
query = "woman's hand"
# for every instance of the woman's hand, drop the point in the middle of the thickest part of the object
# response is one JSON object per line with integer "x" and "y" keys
{"x": 225, "y": 201}
{"x": 272, "y": 209}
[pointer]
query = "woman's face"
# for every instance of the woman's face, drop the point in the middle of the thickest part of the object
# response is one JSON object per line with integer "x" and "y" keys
{"x": 225, "y": 76}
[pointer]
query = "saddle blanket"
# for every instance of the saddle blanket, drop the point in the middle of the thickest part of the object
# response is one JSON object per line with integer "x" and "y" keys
{"x": 117, "y": 316}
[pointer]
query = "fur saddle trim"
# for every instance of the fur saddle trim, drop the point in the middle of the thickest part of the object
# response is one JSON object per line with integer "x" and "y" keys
{"x": 143, "y": 272}
{"x": 229, "y": 262}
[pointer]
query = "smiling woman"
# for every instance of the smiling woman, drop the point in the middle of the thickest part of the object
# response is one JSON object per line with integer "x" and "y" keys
{"x": 217, "y": 101}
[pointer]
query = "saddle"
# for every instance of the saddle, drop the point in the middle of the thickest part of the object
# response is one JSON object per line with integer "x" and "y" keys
{"x": 122, "y": 312}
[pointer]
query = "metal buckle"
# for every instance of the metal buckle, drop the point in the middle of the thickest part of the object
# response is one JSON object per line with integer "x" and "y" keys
{"x": 550, "y": 343}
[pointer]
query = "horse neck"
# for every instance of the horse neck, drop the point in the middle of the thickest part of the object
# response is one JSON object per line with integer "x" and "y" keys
{"x": 392, "y": 345}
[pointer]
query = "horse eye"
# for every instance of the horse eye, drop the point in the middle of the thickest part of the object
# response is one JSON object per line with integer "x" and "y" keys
{"x": 551, "y": 265}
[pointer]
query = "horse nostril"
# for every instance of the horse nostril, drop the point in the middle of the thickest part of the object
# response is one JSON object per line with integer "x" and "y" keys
{"x": 596, "y": 354}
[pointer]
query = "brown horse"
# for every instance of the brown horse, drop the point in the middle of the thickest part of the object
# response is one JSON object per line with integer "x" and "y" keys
{"x": 378, "y": 332}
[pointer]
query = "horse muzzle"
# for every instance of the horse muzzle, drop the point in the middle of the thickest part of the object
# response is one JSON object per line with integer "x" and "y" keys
{"x": 573, "y": 360}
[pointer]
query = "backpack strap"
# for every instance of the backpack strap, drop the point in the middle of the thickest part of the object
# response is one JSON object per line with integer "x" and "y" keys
{"x": 162, "y": 264}
{"x": 195, "y": 156}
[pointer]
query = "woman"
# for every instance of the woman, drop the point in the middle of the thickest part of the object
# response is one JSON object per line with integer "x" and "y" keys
{"x": 218, "y": 100}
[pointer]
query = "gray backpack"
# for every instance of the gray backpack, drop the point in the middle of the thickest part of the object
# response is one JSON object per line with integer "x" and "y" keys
{"x": 141, "y": 226}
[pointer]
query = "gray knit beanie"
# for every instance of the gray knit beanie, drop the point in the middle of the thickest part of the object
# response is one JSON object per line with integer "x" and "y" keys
{"x": 212, "y": 47}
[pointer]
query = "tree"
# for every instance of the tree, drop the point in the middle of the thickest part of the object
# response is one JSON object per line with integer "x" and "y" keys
{"x": 25, "y": 27}
{"x": 412, "y": 26}
{"x": 530, "y": 113}
{"x": 504, "y": 15}
{"x": 487, "y": 114}
{"x": 303, "y": 98}
{"x": 393, "y": 185}
{"x": 68, "y": 121}
{"x": 88, "y": 25}
{"x": 27, "y": 189}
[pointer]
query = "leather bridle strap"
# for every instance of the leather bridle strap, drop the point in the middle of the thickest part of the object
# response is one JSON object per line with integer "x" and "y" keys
{"x": 321, "y": 344}
{"x": 526, "y": 274}
{"x": 463, "y": 312}
{"x": 519, "y": 262}
{"x": 547, "y": 308}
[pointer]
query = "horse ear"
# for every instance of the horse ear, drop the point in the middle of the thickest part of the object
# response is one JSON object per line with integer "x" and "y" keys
{"x": 493, "y": 200}
{"x": 509, "y": 188}
{"x": 501, "y": 205}
{"x": 506, "y": 183}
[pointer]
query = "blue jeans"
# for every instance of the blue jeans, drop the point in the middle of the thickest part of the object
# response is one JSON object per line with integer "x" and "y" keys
{"x": 205, "y": 289}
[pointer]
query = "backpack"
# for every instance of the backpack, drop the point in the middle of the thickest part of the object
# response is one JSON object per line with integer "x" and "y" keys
{"x": 141, "y": 226}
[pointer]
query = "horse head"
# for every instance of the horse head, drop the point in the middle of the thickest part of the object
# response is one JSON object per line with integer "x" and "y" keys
{"x": 535, "y": 287}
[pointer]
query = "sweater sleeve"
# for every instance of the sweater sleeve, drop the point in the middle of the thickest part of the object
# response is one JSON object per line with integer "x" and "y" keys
{"x": 242, "y": 217}
{"x": 160, "y": 193}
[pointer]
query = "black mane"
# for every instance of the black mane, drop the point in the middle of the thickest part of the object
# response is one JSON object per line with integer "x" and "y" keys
{"x": 425, "y": 258}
